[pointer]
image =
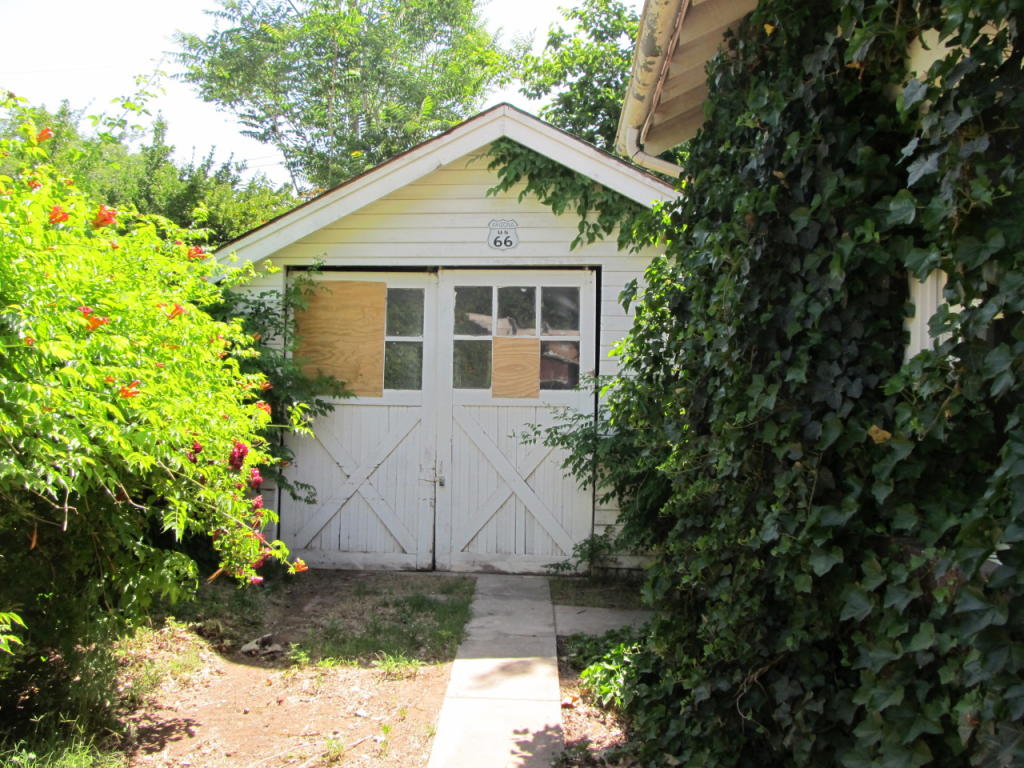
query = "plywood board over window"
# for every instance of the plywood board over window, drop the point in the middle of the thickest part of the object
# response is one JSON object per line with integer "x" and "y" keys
{"x": 516, "y": 367}
{"x": 341, "y": 333}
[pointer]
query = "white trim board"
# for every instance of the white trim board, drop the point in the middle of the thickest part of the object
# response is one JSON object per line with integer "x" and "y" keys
{"x": 500, "y": 121}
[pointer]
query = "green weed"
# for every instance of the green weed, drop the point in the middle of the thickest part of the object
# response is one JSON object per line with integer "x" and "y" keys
{"x": 76, "y": 754}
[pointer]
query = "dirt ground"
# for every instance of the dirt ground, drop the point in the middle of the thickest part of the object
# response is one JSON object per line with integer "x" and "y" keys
{"x": 235, "y": 713}
{"x": 200, "y": 701}
{"x": 217, "y": 707}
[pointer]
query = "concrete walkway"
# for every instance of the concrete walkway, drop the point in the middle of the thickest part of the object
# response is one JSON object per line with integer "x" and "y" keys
{"x": 502, "y": 708}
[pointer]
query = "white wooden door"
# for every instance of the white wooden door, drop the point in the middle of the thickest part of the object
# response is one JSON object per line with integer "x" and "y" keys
{"x": 514, "y": 343}
{"x": 429, "y": 467}
{"x": 372, "y": 460}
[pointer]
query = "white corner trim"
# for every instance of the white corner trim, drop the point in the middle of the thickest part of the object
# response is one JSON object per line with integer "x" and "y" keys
{"x": 926, "y": 296}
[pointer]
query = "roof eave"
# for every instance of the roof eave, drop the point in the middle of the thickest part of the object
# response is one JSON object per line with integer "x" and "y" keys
{"x": 658, "y": 22}
{"x": 664, "y": 103}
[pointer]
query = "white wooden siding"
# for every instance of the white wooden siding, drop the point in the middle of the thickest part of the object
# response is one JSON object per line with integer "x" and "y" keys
{"x": 441, "y": 220}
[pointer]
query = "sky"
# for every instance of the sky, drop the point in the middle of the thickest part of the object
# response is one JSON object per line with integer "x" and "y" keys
{"x": 91, "y": 53}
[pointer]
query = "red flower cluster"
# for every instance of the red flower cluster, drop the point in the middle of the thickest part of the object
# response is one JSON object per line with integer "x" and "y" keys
{"x": 195, "y": 252}
{"x": 131, "y": 390}
{"x": 105, "y": 217}
{"x": 57, "y": 215}
{"x": 43, "y": 135}
{"x": 264, "y": 406}
{"x": 300, "y": 566}
{"x": 255, "y": 478}
{"x": 257, "y": 502}
{"x": 34, "y": 184}
{"x": 238, "y": 454}
{"x": 177, "y": 311}
{"x": 93, "y": 321}
{"x": 197, "y": 448}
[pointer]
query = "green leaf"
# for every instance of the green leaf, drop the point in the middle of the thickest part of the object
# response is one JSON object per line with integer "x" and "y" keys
{"x": 831, "y": 429}
{"x": 857, "y": 604}
{"x": 902, "y": 209}
{"x": 823, "y": 561}
{"x": 913, "y": 92}
{"x": 923, "y": 166}
{"x": 924, "y": 639}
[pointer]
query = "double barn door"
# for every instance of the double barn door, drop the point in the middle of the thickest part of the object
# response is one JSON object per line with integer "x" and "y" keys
{"x": 429, "y": 466}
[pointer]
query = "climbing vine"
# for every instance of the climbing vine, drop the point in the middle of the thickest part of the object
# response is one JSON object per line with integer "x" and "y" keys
{"x": 601, "y": 211}
{"x": 838, "y": 555}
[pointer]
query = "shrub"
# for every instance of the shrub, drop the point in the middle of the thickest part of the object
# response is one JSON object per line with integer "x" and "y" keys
{"x": 124, "y": 418}
{"x": 838, "y": 578}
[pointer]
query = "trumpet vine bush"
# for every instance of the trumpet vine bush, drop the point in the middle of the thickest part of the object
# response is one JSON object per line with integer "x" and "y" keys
{"x": 837, "y": 532}
{"x": 126, "y": 421}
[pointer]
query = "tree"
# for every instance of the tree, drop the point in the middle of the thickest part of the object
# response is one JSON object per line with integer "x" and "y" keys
{"x": 339, "y": 87}
{"x": 126, "y": 423}
{"x": 106, "y": 167}
{"x": 586, "y": 68}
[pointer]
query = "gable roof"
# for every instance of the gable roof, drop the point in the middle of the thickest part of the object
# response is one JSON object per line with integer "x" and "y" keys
{"x": 500, "y": 121}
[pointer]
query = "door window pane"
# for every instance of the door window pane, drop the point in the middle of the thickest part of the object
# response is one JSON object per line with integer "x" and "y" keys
{"x": 405, "y": 312}
{"x": 473, "y": 310}
{"x": 560, "y": 311}
{"x": 517, "y": 312}
{"x": 559, "y": 364}
{"x": 471, "y": 365}
{"x": 403, "y": 365}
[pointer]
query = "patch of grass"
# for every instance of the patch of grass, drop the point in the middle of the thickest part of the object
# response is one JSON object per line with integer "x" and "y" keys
{"x": 396, "y": 624}
{"x": 227, "y": 614}
{"x": 153, "y": 654}
{"x": 394, "y": 667}
{"x": 76, "y": 754}
{"x": 596, "y": 591}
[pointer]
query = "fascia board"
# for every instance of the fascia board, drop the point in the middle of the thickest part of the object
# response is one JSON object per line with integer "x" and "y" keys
{"x": 584, "y": 159}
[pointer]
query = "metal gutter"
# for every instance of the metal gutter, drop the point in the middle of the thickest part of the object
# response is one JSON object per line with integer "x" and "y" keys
{"x": 660, "y": 22}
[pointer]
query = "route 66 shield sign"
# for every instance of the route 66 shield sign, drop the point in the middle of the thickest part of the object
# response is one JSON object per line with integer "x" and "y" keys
{"x": 503, "y": 234}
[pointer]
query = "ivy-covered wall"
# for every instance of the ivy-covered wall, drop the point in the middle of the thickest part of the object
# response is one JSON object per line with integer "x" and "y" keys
{"x": 838, "y": 534}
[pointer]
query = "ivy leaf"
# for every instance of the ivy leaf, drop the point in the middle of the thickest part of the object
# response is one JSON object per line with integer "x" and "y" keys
{"x": 800, "y": 217}
{"x": 998, "y": 367}
{"x": 823, "y": 561}
{"x": 974, "y": 146}
{"x": 856, "y": 604}
{"x": 902, "y": 209}
{"x": 921, "y": 261}
{"x": 924, "y": 639}
{"x": 831, "y": 429}
{"x": 923, "y": 166}
{"x": 1014, "y": 697}
{"x": 914, "y": 91}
